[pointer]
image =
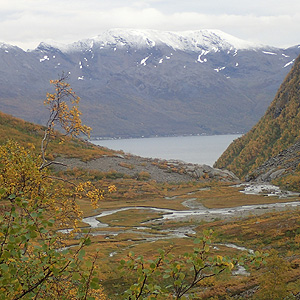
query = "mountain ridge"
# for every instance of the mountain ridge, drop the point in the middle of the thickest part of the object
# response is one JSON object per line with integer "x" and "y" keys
{"x": 178, "y": 40}
{"x": 133, "y": 92}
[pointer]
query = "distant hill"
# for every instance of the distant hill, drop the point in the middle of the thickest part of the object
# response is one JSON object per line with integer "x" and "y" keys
{"x": 144, "y": 82}
{"x": 77, "y": 153}
{"x": 271, "y": 148}
{"x": 27, "y": 134}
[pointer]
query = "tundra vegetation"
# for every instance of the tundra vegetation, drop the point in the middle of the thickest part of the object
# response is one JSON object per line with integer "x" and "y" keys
{"x": 38, "y": 260}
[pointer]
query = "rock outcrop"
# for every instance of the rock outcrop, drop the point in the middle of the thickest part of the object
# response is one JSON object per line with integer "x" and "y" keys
{"x": 284, "y": 163}
{"x": 203, "y": 171}
{"x": 159, "y": 170}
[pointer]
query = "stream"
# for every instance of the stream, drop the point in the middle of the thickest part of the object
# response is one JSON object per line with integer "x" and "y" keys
{"x": 200, "y": 211}
{"x": 195, "y": 210}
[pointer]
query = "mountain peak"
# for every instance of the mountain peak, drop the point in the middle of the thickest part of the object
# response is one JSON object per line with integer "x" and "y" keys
{"x": 8, "y": 46}
{"x": 193, "y": 41}
{"x": 53, "y": 46}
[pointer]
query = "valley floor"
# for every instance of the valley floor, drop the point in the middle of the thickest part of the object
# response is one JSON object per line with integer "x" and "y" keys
{"x": 157, "y": 205}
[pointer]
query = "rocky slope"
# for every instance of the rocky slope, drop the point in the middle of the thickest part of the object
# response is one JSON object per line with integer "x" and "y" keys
{"x": 286, "y": 162}
{"x": 271, "y": 149}
{"x": 149, "y": 169}
{"x": 147, "y": 83}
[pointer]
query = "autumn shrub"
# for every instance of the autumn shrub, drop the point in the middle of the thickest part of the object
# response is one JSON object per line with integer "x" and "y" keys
{"x": 143, "y": 176}
{"x": 34, "y": 260}
{"x": 126, "y": 165}
{"x": 273, "y": 279}
{"x": 170, "y": 276}
{"x": 33, "y": 208}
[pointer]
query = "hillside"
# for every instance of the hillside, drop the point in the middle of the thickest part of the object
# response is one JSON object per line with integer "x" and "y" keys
{"x": 144, "y": 83}
{"x": 28, "y": 134}
{"x": 277, "y": 131}
{"x": 78, "y": 154}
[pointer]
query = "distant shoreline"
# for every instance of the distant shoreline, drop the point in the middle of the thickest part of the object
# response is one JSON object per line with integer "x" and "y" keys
{"x": 96, "y": 138}
{"x": 197, "y": 149}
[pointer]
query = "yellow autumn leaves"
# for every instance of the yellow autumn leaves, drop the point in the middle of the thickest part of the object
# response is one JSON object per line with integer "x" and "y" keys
{"x": 35, "y": 204}
{"x": 93, "y": 193}
{"x": 68, "y": 117}
{"x": 19, "y": 173}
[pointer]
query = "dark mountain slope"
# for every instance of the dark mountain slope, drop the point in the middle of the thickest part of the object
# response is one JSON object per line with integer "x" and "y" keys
{"x": 145, "y": 83}
{"x": 277, "y": 130}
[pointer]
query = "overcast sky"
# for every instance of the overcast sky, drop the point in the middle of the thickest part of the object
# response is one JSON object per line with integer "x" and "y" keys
{"x": 26, "y": 23}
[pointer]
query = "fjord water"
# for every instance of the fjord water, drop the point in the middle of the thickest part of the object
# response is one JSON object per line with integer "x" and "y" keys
{"x": 191, "y": 149}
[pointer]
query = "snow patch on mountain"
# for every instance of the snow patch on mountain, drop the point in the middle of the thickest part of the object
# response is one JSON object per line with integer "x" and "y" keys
{"x": 143, "y": 61}
{"x": 46, "y": 57}
{"x": 289, "y": 63}
{"x": 219, "y": 69}
{"x": 269, "y": 53}
{"x": 203, "y": 53}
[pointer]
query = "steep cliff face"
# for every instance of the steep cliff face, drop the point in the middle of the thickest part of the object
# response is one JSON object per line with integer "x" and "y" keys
{"x": 278, "y": 130}
{"x": 282, "y": 169}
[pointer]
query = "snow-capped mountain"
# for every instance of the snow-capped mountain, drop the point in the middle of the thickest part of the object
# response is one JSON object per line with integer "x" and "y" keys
{"x": 147, "y": 82}
{"x": 194, "y": 41}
